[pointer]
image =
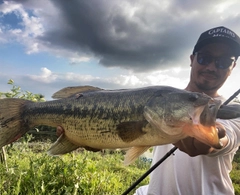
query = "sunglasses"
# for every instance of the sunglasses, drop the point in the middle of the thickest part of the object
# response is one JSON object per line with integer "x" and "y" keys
{"x": 220, "y": 62}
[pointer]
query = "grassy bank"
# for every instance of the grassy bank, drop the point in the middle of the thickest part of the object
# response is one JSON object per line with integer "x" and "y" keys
{"x": 32, "y": 172}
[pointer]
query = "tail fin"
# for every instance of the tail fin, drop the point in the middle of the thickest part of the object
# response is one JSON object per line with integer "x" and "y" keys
{"x": 12, "y": 125}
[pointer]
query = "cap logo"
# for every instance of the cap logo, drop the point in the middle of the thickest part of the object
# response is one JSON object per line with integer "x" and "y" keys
{"x": 221, "y": 32}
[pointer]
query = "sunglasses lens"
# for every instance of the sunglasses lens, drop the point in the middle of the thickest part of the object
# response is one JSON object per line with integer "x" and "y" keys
{"x": 204, "y": 59}
{"x": 221, "y": 63}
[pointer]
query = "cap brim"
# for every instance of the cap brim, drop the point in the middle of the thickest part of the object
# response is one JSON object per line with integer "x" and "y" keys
{"x": 231, "y": 43}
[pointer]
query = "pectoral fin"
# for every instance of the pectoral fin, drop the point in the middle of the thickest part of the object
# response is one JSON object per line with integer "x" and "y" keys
{"x": 134, "y": 153}
{"x": 62, "y": 146}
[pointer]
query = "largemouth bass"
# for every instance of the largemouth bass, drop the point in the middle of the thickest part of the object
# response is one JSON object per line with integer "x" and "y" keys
{"x": 98, "y": 119}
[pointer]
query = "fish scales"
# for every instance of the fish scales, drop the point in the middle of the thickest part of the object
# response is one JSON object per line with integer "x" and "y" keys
{"x": 91, "y": 116}
{"x": 94, "y": 113}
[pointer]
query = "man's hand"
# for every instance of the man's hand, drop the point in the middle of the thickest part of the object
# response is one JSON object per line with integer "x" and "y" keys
{"x": 193, "y": 147}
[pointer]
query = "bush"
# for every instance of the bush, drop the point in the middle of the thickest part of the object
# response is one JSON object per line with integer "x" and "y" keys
{"x": 235, "y": 173}
{"x": 76, "y": 173}
{"x": 16, "y": 92}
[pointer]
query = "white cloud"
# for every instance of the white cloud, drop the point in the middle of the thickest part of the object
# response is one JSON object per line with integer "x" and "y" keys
{"x": 78, "y": 78}
{"x": 9, "y": 6}
{"x": 128, "y": 80}
{"x": 45, "y": 76}
{"x": 31, "y": 27}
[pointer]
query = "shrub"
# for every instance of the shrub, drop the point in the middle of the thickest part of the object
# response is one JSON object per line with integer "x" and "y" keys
{"x": 76, "y": 173}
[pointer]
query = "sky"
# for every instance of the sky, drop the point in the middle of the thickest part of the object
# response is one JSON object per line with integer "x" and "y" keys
{"x": 112, "y": 44}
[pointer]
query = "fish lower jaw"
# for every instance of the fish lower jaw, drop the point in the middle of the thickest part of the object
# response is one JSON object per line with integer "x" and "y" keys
{"x": 207, "y": 135}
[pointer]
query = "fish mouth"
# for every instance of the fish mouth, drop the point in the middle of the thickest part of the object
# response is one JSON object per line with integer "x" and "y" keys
{"x": 204, "y": 127}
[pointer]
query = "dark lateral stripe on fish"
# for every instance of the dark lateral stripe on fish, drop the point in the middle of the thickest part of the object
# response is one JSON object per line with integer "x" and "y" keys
{"x": 126, "y": 129}
{"x": 80, "y": 107}
{"x": 83, "y": 111}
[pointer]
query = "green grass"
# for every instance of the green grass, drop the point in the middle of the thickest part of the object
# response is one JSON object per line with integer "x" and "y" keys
{"x": 83, "y": 172}
{"x": 32, "y": 172}
{"x": 235, "y": 174}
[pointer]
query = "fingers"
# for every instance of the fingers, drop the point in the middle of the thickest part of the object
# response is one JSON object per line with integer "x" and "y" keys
{"x": 186, "y": 145}
{"x": 192, "y": 146}
{"x": 221, "y": 130}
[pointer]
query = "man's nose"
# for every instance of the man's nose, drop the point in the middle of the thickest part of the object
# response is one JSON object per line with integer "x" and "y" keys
{"x": 212, "y": 66}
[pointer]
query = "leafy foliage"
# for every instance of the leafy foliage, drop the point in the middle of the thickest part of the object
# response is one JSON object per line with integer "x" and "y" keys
{"x": 235, "y": 173}
{"x": 16, "y": 92}
{"x": 81, "y": 172}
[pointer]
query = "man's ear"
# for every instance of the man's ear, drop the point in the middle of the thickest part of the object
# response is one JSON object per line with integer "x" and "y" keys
{"x": 191, "y": 59}
{"x": 230, "y": 72}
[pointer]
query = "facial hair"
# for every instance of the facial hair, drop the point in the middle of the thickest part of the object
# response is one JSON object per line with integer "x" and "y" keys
{"x": 206, "y": 86}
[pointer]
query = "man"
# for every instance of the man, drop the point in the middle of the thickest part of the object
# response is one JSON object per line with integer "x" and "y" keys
{"x": 196, "y": 168}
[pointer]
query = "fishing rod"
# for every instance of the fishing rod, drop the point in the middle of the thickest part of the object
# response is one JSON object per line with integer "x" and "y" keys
{"x": 152, "y": 168}
{"x": 231, "y": 97}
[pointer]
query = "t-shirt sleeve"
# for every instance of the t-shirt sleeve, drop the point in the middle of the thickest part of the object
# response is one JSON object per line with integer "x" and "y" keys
{"x": 232, "y": 127}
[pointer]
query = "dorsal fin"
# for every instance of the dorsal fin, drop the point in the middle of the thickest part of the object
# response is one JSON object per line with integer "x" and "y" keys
{"x": 69, "y": 91}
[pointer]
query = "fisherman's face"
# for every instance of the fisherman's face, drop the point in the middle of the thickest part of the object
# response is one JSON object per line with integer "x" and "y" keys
{"x": 208, "y": 73}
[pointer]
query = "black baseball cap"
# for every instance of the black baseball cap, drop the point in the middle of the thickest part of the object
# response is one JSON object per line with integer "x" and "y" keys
{"x": 219, "y": 35}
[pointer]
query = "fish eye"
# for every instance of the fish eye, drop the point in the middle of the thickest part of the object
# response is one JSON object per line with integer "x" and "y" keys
{"x": 193, "y": 97}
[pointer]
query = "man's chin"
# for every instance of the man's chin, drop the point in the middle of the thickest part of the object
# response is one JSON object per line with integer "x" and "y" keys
{"x": 206, "y": 86}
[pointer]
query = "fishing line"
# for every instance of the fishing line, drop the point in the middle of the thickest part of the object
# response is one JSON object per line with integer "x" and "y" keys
{"x": 168, "y": 154}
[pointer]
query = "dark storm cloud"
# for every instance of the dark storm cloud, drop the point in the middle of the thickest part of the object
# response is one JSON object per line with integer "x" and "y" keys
{"x": 139, "y": 35}
{"x": 141, "y": 40}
